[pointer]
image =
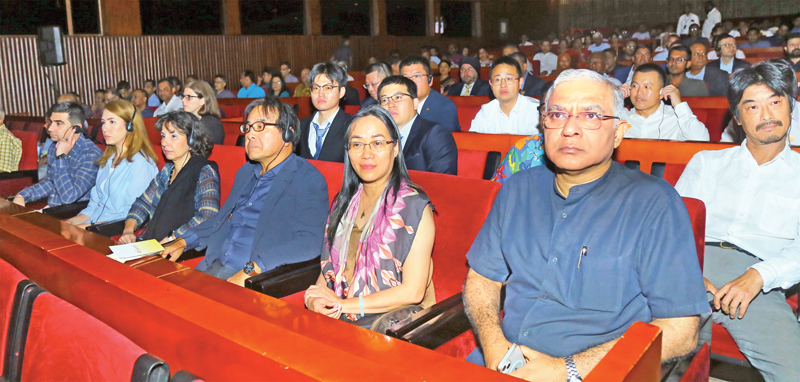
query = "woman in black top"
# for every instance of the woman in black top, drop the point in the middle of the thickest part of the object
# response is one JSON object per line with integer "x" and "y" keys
{"x": 199, "y": 99}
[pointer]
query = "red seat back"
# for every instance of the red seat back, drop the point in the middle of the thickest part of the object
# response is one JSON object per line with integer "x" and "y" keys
{"x": 697, "y": 214}
{"x": 229, "y": 159}
{"x": 673, "y": 171}
{"x": 352, "y": 109}
{"x": 472, "y": 163}
{"x": 486, "y": 73}
{"x": 65, "y": 343}
{"x": 28, "y": 161}
{"x": 9, "y": 278}
{"x": 333, "y": 172}
{"x": 468, "y": 108}
{"x": 160, "y": 154}
{"x": 152, "y": 133}
{"x": 233, "y": 111}
{"x": 359, "y": 86}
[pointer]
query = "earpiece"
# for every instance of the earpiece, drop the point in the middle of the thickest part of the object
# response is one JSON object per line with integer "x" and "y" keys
{"x": 190, "y": 138}
{"x": 288, "y": 134}
{"x": 661, "y": 92}
{"x": 129, "y": 126}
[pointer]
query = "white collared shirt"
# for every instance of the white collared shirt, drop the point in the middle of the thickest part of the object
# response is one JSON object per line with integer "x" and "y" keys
{"x": 754, "y": 207}
{"x": 174, "y": 104}
{"x": 421, "y": 103}
{"x": 405, "y": 130}
{"x": 548, "y": 62}
{"x": 522, "y": 120}
{"x": 666, "y": 122}
{"x": 312, "y": 132}
{"x": 467, "y": 89}
{"x": 714, "y": 17}
{"x": 685, "y": 21}
{"x": 712, "y": 55}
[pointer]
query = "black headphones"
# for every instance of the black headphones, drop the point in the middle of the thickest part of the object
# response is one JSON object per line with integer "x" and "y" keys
{"x": 129, "y": 126}
{"x": 190, "y": 138}
{"x": 288, "y": 134}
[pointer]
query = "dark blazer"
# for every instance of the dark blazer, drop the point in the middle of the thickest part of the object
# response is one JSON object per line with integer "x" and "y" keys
{"x": 368, "y": 101}
{"x": 291, "y": 225}
{"x": 621, "y": 72}
{"x": 350, "y": 97}
{"x": 441, "y": 110}
{"x": 333, "y": 147}
{"x": 533, "y": 86}
{"x": 717, "y": 79}
{"x": 479, "y": 88}
{"x": 430, "y": 147}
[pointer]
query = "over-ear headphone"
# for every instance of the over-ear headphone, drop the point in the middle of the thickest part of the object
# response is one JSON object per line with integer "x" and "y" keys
{"x": 129, "y": 126}
{"x": 190, "y": 138}
{"x": 288, "y": 134}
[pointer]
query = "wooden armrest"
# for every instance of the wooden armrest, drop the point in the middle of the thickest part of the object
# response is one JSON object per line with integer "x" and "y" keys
{"x": 285, "y": 280}
{"x": 436, "y": 325}
{"x": 108, "y": 229}
{"x": 66, "y": 211}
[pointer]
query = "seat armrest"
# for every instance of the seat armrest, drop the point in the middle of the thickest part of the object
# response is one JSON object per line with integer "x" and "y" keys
{"x": 66, "y": 211}
{"x": 436, "y": 325}
{"x": 33, "y": 174}
{"x": 286, "y": 280}
{"x": 108, "y": 229}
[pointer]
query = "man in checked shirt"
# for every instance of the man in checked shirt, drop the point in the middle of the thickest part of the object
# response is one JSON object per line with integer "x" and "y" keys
{"x": 71, "y": 169}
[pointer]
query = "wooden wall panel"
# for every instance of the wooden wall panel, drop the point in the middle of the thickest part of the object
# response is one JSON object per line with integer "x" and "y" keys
{"x": 96, "y": 62}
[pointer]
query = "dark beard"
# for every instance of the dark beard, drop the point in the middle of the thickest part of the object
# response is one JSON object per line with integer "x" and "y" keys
{"x": 795, "y": 53}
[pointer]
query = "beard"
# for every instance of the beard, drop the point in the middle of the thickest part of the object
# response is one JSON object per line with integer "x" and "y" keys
{"x": 795, "y": 53}
{"x": 771, "y": 138}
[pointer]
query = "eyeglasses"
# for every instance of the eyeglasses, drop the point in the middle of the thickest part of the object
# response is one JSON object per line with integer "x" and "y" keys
{"x": 257, "y": 126}
{"x": 182, "y": 96}
{"x": 503, "y": 81}
{"x": 378, "y": 146}
{"x": 327, "y": 89}
{"x": 586, "y": 120}
{"x": 371, "y": 86}
{"x": 467, "y": 69}
{"x": 679, "y": 60}
{"x": 397, "y": 97}
{"x": 728, "y": 45}
{"x": 699, "y": 54}
{"x": 417, "y": 77}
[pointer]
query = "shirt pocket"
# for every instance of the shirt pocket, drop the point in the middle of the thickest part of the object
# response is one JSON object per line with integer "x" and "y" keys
{"x": 598, "y": 284}
{"x": 779, "y": 216}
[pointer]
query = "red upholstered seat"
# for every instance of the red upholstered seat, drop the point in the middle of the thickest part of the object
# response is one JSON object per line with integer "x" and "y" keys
{"x": 468, "y": 108}
{"x": 472, "y": 163}
{"x": 65, "y": 343}
{"x": 152, "y": 133}
{"x": 233, "y": 111}
{"x": 697, "y": 214}
{"x": 9, "y": 278}
{"x": 28, "y": 161}
{"x": 359, "y": 86}
{"x": 229, "y": 159}
{"x": 13, "y": 182}
{"x": 673, "y": 171}
{"x": 352, "y": 109}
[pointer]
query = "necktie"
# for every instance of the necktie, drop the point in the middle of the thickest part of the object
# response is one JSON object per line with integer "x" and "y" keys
{"x": 320, "y": 136}
{"x": 468, "y": 89}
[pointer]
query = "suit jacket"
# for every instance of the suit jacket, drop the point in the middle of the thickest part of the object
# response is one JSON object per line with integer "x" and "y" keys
{"x": 441, "y": 110}
{"x": 350, "y": 97}
{"x": 717, "y": 79}
{"x": 621, "y": 72}
{"x": 693, "y": 88}
{"x": 479, "y": 88}
{"x": 333, "y": 147}
{"x": 430, "y": 147}
{"x": 533, "y": 86}
{"x": 291, "y": 225}
{"x": 368, "y": 101}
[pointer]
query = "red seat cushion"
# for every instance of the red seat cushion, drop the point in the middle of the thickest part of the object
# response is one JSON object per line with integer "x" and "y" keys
{"x": 29, "y": 160}
{"x": 472, "y": 163}
{"x": 352, "y": 109}
{"x": 673, "y": 171}
{"x": 152, "y": 133}
{"x": 65, "y": 343}
{"x": 233, "y": 111}
{"x": 229, "y": 159}
{"x": 9, "y": 278}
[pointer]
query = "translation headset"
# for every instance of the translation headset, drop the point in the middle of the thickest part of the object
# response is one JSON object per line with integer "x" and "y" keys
{"x": 129, "y": 126}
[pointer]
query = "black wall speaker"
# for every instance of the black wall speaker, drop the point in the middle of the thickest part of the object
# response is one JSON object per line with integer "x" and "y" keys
{"x": 50, "y": 45}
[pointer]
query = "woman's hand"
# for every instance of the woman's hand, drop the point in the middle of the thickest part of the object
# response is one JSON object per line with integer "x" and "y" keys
{"x": 322, "y": 300}
{"x": 174, "y": 251}
{"x": 127, "y": 238}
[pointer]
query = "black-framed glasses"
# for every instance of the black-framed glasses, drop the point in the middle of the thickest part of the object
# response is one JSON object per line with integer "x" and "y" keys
{"x": 586, "y": 120}
{"x": 503, "y": 80}
{"x": 327, "y": 89}
{"x": 397, "y": 97}
{"x": 377, "y": 146}
{"x": 182, "y": 96}
{"x": 257, "y": 126}
{"x": 418, "y": 77}
{"x": 679, "y": 60}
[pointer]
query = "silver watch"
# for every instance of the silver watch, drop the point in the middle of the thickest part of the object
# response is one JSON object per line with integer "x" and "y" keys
{"x": 572, "y": 370}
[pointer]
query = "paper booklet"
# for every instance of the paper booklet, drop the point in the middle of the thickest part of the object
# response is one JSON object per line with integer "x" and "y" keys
{"x": 133, "y": 251}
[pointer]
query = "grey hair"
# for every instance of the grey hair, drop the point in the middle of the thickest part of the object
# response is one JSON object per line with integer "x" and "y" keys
{"x": 569, "y": 75}
{"x": 596, "y": 34}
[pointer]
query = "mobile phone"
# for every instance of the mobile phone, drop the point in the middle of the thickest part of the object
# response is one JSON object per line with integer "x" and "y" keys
{"x": 513, "y": 360}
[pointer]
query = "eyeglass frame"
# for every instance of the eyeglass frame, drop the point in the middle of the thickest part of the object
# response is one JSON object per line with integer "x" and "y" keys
{"x": 502, "y": 80}
{"x": 602, "y": 119}
{"x": 247, "y": 127}
{"x": 198, "y": 96}
{"x": 391, "y": 98}
{"x": 320, "y": 88}
{"x": 430, "y": 77}
{"x": 677, "y": 59}
{"x": 369, "y": 144}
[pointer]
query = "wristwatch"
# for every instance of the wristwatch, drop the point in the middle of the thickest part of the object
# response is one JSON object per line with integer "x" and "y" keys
{"x": 250, "y": 269}
{"x": 572, "y": 370}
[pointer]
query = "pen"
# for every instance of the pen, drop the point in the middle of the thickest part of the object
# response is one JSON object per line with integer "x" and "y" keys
{"x": 581, "y": 255}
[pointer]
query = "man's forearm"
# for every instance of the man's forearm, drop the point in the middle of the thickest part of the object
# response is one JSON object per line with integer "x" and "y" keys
{"x": 482, "y": 305}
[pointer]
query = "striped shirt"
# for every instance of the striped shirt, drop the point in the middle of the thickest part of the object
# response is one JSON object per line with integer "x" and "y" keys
{"x": 10, "y": 150}
{"x": 68, "y": 180}
{"x": 206, "y": 198}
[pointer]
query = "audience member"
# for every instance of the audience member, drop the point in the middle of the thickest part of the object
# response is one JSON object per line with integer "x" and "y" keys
{"x": 780, "y": 35}
{"x": 322, "y": 135}
{"x": 139, "y": 101}
{"x": 124, "y": 89}
{"x": 303, "y": 90}
{"x": 713, "y": 18}
{"x": 249, "y": 88}
{"x": 190, "y": 78}
{"x": 680, "y": 59}
{"x": 752, "y": 209}
{"x": 597, "y": 65}
{"x": 432, "y": 106}
{"x": 111, "y": 94}
{"x": 641, "y": 34}
{"x": 548, "y": 61}
{"x": 100, "y": 103}
{"x": 628, "y": 52}
{"x": 642, "y": 56}
{"x": 564, "y": 63}
{"x": 597, "y": 43}
{"x": 452, "y": 50}
{"x": 425, "y": 52}
{"x": 10, "y": 148}
{"x": 220, "y": 84}
{"x": 651, "y": 118}
{"x": 426, "y": 146}
{"x": 185, "y": 192}
{"x": 524, "y": 245}
{"x": 531, "y": 85}
{"x": 167, "y": 90}
{"x": 366, "y": 254}
{"x": 578, "y": 51}
{"x": 445, "y": 80}
{"x": 279, "y": 88}
{"x": 612, "y": 67}
{"x": 508, "y": 49}
{"x": 524, "y": 41}
{"x": 796, "y": 24}
{"x": 694, "y": 37}
{"x": 614, "y": 43}
{"x": 126, "y": 166}
{"x": 471, "y": 84}
{"x": 510, "y": 112}
{"x": 394, "y": 63}
{"x": 686, "y": 20}
{"x": 242, "y": 240}
{"x": 151, "y": 87}
{"x": 71, "y": 167}
{"x": 178, "y": 84}
{"x": 73, "y": 97}
{"x": 718, "y": 72}
{"x": 465, "y": 51}
{"x": 286, "y": 73}
{"x": 199, "y": 99}
{"x": 754, "y": 40}
{"x": 663, "y": 54}
{"x": 343, "y": 53}
{"x": 375, "y": 73}
{"x": 483, "y": 58}
{"x": 265, "y": 79}
{"x": 792, "y": 50}
{"x": 435, "y": 55}
{"x": 699, "y": 61}
{"x": 351, "y": 95}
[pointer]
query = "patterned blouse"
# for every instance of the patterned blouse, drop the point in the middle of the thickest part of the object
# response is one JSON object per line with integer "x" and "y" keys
{"x": 526, "y": 153}
{"x": 206, "y": 197}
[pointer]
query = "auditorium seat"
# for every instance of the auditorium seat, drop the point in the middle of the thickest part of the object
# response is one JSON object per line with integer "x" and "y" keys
{"x": 352, "y": 109}
{"x": 185, "y": 376}
{"x": 478, "y": 164}
{"x": 233, "y": 111}
{"x": 229, "y": 159}
{"x": 486, "y": 73}
{"x": 359, "y": 86}
{"x": 670, "y": 172}
{"x": 9, "y": 279}
{"x": 467, "y": 108}
{"x": 152, "y": 134}
{"x": 486, "y": 142}
{"x": 13, "y": 182}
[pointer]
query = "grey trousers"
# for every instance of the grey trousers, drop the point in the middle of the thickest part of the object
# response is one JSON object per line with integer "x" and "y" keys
{"x": 219, "y": 271}
{"x": 769, "y": 334}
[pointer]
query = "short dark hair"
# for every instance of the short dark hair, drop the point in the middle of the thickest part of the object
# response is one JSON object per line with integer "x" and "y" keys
{"x": 170, "y": 81}
{"x": 394, "y": 60}
{"x": 151, "y": 81}
{"x": 268, "y": 69}
{"x": 792, "y": 36}
{"x": 74, "y": 109}
{"x": 642, "y": 46}
{"x": 775, "y": 74}
{"x": 379, "y": 66}
{"x": 113, "y": 91}
{"x": 222, "y": 77}
{"x": 610, "y": 51}
{"x": 287, "y": 119}
{"x": 754, "y": 30}
{"x": 123, "y": 85}
{"x": 413, "y": 60}
{"x": 288, "y": 65}
{"x": 249, "y": 74}
{"x": 719, "y": 38}
{"x": 177, "y": 81}
{"x": 332, "y": 70}
{"x": 411, "y": 87}
{"x": 139, "y": 90}
{"x": 650, "y": 67}
{"x": 510, "y": 60}
{"x": 681, "y": 48}
{"x": 189, "y": 125}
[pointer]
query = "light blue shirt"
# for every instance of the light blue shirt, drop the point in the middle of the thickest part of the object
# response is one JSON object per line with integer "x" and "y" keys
{"x": 405, "y": 130}
{"x": 117, "y": 188}
{"x": 728, "y": 68}
{"x": 698, "y": 76}
{"x": 153, "y": 101}
{"x": 251, "y": 92}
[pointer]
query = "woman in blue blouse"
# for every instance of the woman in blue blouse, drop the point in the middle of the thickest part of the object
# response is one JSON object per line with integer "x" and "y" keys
{"x": 279, "y": 88}
{"x": 186, "y": 191}
{"x": 126, "y": 166}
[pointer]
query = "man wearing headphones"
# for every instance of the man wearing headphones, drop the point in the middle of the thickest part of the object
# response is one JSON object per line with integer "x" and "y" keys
{"x": 718, "y": 71}
{"x": 71, "y": 169}
{"x": 277, "y": 207}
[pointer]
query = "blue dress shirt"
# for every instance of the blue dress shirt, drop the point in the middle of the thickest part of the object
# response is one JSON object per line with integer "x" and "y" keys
{"x": 253, "y": 91}
{"x": 117, "y": 188}
{"x": 640, "y": 261}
